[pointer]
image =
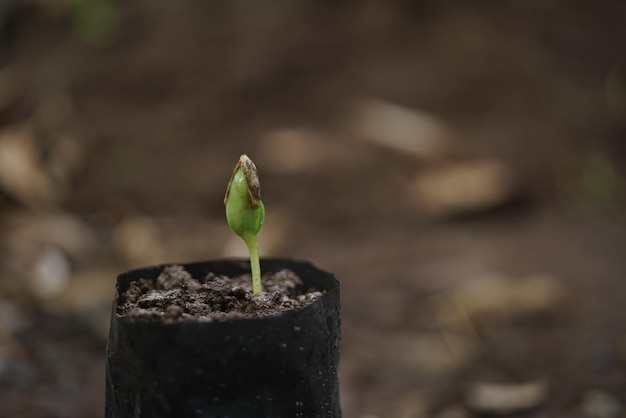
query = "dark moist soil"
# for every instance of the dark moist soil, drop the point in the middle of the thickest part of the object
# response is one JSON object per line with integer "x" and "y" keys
{"x": 176, "y": 296}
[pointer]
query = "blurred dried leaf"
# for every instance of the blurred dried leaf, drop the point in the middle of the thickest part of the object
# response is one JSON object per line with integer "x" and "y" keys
{"x": 434, "y": 356}
{"x": 597, "y": 403}
{"x": 401, "y": 129}
{"x": 506, "y": 398}
{"x": 23, "y": 230}
{"x": 297, "y": 150}
{"x": 458, "y": 188}
{"x": 139, "y": 241}
{"x": 37, "y": 251}
{"x": 290, "y": 150}
{"x": 498, "y": 298}
{"x": 21, "y": 171}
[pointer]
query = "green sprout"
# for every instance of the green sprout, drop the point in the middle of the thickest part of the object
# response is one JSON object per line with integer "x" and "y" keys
{"x": 245, "y": 211}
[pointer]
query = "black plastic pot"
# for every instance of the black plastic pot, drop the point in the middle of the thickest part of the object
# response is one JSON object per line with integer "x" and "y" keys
{"x": 274, "y": 367}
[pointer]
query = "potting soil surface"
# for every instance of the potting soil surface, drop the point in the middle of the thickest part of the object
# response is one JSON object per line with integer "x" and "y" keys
{"x": 177, "y": 296}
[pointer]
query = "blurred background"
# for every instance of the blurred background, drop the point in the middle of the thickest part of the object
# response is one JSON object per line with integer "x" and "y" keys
{"x": 459, "y": 165}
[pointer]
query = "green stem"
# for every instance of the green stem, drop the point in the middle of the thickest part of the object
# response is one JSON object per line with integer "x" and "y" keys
{"x": 255, "y": 265}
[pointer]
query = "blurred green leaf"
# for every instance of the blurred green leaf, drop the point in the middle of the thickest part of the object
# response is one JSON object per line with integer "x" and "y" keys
{"x": 96, "y": 22}
{"x": 600, "y": 184}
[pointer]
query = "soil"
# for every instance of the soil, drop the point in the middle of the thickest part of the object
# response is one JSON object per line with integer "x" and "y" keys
{"x": 176, "y": 296}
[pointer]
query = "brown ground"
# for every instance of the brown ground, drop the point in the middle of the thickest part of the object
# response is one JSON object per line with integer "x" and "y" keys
{"x": 439, "y": 307}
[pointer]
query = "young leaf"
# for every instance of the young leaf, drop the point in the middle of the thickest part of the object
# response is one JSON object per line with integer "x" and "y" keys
{"x": 245, "y": 212}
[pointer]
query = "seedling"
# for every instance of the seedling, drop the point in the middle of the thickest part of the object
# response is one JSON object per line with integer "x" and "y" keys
{"x": 245, "y": 212}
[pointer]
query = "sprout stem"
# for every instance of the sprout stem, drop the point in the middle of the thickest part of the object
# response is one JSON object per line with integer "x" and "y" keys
{"x": 255, "y": 265}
